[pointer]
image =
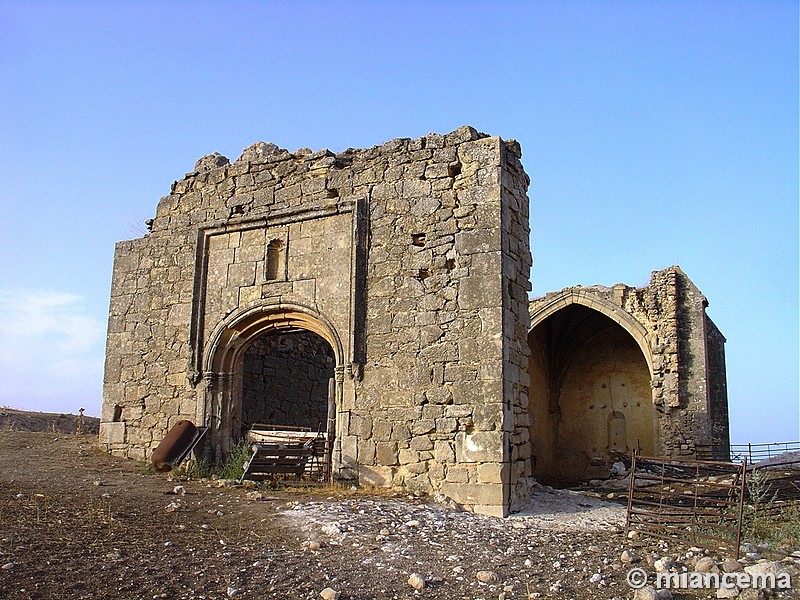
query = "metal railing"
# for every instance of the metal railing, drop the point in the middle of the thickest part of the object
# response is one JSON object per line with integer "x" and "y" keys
{"x": 703, "y": 503}
{"x": 699, "y": 503}
{"x": 752, "y": 452}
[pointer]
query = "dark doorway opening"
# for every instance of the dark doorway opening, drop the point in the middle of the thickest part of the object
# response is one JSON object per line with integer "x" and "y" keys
{"x": 285, "y": 380}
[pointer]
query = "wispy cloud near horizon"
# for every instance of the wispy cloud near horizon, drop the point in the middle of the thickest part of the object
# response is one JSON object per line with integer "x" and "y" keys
{"x": 51, "y": 352}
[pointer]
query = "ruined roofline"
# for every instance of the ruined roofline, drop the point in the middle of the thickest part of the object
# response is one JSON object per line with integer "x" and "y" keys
{"x": 604, "y": 289}
{"x": 266, "y": 152}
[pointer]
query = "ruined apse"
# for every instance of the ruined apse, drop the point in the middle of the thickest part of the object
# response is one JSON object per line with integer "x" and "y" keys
{"x": 622, "y": 369}
{"x": 381, "y": 296}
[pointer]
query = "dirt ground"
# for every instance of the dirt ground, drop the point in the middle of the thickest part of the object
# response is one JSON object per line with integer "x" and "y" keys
{"x": 78, "y": 523}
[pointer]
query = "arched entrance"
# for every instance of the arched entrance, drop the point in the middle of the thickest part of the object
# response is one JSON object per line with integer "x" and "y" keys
{"x": 273, "y": 365}
{"x": 590, "y": 395}
{"x": 286, "y": 378}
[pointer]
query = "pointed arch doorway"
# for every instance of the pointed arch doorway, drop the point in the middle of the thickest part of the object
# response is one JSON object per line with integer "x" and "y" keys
{"x": 277, "y": 365}
{"x": 590, "y": 394}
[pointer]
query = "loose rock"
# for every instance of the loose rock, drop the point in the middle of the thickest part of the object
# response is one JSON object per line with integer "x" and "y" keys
{"x": 487, "y": 576}
{"x": 629, "y": 557}
{"x": 705, "y": 565}
{"x": 727, "y": 592}
{"x": 416, "y": 581}
{"x": 329, "y": 594}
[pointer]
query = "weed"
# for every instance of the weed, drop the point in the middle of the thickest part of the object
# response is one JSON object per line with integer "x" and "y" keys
{"x": 766, "y": 521}
{"x": 195, "y": 469}
{"x": 234, "y": 466}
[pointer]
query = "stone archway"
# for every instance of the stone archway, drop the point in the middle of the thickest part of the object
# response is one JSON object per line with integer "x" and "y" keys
{"x": 286, "y": 380}
{"x": 590, "y": 395}
{"x": 229, "y": 404}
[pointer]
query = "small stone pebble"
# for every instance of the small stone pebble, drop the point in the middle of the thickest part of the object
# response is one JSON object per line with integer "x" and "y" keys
{"x": 487, "y": 576}
{"x": 329, "y": 594}
{"x": 8, "y": 566}
{"x": 629, "y": 557}
{"x": 416, "y": 581}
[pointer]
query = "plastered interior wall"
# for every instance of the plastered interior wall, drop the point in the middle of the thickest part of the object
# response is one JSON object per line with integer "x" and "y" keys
{"x": 601, "y": 403}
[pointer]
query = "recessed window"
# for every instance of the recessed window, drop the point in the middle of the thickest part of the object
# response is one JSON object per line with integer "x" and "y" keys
{"x": 276, "y": 260}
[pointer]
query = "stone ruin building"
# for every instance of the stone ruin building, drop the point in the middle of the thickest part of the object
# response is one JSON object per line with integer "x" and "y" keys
{"x": 381, "y": 296}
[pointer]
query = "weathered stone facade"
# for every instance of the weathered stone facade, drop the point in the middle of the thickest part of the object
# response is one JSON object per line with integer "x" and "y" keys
{"x": 620, "y": 369}
{"x": 408, "y": 263}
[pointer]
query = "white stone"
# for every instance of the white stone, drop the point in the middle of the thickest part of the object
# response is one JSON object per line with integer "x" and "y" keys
{"x": 727, "y": 592}
{"x": 329, "y": 594}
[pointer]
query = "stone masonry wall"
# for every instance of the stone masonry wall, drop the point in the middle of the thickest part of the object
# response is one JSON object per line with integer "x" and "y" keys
{"x": 411, "y": 258}
{"x": 286, "y": 381}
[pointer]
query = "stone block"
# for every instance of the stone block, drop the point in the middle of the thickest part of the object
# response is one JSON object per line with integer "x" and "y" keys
{"x": 376, "y": 476}
{"x": 112, "y": 433}
{"x": 472, "y": 494}
{"x": 494, "y": 473}
{"x": 441, "y": 395}
{"x": 458, "y": 474}
{"x": 366, "y": 452}
{"x": 360, "y": 425}
{"x": 487, "y": 417}
{"x": 423, "y": 426}
{"x": 443, "y": 452}
{"x": 386, "y": 453}
{"x": 483, "y": 446}
{"x": 408, "y": 456}
{"x": 305, "y": 290}
{"x": 349, "y": 446}
{"x": 421, "y": 442}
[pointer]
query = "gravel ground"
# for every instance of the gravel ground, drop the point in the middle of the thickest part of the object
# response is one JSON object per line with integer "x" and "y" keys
{"x": 77, "y": 523}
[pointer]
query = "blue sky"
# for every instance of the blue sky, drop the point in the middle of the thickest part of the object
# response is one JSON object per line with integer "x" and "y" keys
{"x": 654, "y": 133}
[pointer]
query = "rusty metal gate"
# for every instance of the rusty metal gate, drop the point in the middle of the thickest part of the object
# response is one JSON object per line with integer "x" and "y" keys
{"x": 699, "y": 503}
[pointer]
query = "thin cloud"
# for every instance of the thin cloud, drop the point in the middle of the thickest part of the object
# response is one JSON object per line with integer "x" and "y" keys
{"x": 51, "y": 351}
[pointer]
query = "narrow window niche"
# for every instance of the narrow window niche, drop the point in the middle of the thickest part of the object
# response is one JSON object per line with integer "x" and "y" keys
{"x": 276, "y": 260}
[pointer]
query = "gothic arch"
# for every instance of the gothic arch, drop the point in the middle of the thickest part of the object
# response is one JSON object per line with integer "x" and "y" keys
{"x": 604, "y": 307}
{"x": 591, "y": 387}
{"x": 223, "y": 358}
